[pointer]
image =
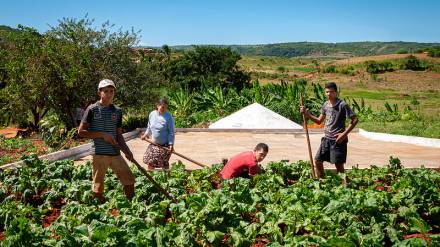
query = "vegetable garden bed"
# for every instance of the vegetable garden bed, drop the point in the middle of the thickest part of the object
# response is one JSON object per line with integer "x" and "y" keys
{"x": 50, "y": 203}
{"x": 12, "y": 149}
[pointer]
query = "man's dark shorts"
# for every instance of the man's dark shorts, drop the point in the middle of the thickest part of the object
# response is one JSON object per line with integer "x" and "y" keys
{"x": 331, "y": 151}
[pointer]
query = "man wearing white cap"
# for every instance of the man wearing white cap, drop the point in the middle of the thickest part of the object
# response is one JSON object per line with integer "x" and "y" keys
{"x": 102, "y": 122}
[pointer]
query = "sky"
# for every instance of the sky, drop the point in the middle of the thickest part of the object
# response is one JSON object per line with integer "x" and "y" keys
{"x": 231, "y": 22}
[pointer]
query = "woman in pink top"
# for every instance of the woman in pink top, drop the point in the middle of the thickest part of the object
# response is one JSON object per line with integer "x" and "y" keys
{"x": 245, "y": 164}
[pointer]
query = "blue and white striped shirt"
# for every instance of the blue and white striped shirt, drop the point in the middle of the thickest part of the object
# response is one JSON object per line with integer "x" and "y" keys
{"x": 103, "y": 119}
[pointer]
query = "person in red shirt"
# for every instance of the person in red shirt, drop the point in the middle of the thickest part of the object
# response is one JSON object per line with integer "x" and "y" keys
{"x": 245, "y": 164}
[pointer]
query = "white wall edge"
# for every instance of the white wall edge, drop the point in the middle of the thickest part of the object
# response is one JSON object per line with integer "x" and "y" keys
{"x": 72, "y": 153}
{"x": 420, "y": 141}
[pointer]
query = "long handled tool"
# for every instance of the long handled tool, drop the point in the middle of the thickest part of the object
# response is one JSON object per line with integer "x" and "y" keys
{"x": 312, "y": 165}
{"x": 178, "y": 154}
{"x": 153, "y": 181}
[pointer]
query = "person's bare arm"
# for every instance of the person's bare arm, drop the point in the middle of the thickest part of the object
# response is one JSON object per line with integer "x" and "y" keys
{"x": 83, "y": 131}
{"x": 317, "y": 120}
{"x": 342, "y": 136}
{"x": 123, "y": 145}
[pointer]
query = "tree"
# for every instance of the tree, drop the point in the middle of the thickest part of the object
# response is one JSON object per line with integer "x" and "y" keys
{"x": 208, "y": 66}
{"x": 25, "y": 82}
{"x": 167, "y": 50}
{"x": 60, "y": 69}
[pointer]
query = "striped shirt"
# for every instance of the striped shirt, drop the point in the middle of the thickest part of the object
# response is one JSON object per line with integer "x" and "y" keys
{"x": 103, "y": 119}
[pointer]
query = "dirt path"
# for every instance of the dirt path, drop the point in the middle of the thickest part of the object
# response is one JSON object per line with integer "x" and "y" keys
{"x": 9, "y": 132}
{"x": 210, "y": 148}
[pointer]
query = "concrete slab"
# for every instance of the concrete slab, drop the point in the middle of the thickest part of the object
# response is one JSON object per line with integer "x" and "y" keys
{"x": 209, "y": 148}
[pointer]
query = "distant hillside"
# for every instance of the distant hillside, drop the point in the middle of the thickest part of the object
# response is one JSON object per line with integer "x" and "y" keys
{"x": 4, "y": 28}
{"x": 315, "y": 49}
{"x": 324, "y": 49}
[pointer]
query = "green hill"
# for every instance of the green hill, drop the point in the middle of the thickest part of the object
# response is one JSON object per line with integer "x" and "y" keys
{"x": 345, "y": 49}
{"x": 318, "y": 49}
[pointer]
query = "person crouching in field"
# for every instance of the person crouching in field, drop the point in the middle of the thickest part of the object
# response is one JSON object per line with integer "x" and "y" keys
{"x": 161, "y": 129}
{"x": 245, "y": 164}
{"x": 102, "y": 121}
{"x": 333, "y": 147}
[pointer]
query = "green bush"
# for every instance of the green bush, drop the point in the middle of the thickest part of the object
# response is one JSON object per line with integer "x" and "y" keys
{"x": 282, "y": 69}
{"x": 330, "y": 69}
{"x": 376, "y": 67}
{"x": 402, "y": 51}
{"x": 413, "y": 63}
{"x": 347, "y": 70}
{"x": 434, "y": 52}
{"x": 135, "y": 121}
{"x": 54, "y": 132}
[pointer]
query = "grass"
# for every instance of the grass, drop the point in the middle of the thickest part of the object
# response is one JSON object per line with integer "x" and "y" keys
{"x": 425, "y": 104}
{"x": 424, "y": 128}
{"x": 372, "y": 95}
{"x": 305, "y": 69}
{"x": 418, "y": 89}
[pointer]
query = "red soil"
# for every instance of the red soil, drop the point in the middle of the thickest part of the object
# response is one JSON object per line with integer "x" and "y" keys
{"x": 55, "y": 213}
{"x": 114, "y": 212}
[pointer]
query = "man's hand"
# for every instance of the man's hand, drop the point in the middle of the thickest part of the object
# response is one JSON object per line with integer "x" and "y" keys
{"x": 171, "y": 148}
{"x": 304, "y": 111}
{"x": 109, "y": 138}
{"x": 340, "y": 137}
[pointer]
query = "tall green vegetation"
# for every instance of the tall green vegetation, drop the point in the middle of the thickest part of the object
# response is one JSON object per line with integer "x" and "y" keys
{"x": 211, "y": 103}
{"x": 434, "y": 52}
{"x": 208, "y": 66}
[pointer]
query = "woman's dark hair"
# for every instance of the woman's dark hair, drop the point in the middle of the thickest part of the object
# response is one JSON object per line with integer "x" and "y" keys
{"x": 162, "y": 101}
{"x": 262, "y": 146}
{"x": 331, "y": 85}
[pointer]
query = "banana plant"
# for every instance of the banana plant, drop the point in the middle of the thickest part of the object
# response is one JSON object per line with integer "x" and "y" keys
{"x": 181, "y": 103}
{"x": 216, "y": 99}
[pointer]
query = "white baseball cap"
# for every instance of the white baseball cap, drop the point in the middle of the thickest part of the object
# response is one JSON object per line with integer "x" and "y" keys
{"x": 106, "y": 83}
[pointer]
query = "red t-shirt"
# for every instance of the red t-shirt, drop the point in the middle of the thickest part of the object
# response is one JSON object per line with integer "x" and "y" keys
{"x": 239, "y": 164}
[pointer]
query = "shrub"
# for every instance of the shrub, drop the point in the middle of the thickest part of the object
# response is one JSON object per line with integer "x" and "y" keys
{"x": 330, "y": 69}
{"x": 412, "y": 63}
{"x": 434, "y": 52}
{"x": 376, "y": 67}
{"x": 402, "y": 51}
{"x": 134, "y": 121}
{"x": 282, "y": 69}
{"x": 347, "y": 70}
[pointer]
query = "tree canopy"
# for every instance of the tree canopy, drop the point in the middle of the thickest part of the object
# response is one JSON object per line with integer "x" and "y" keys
{"x": 59, "y": 70}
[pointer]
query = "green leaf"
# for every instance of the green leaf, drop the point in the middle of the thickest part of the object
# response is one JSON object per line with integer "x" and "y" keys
{"x": 214, "y": 236}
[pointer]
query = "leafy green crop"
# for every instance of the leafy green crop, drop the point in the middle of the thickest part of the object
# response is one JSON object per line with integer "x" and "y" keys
{"x": 50, "y": 203}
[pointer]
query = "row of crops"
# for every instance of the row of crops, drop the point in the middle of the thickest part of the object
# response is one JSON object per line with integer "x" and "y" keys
{"x": 50, "y": 204}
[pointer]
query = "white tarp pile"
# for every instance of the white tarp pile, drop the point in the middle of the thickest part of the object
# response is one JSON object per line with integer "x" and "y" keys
{"x": 255, "y": 116}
